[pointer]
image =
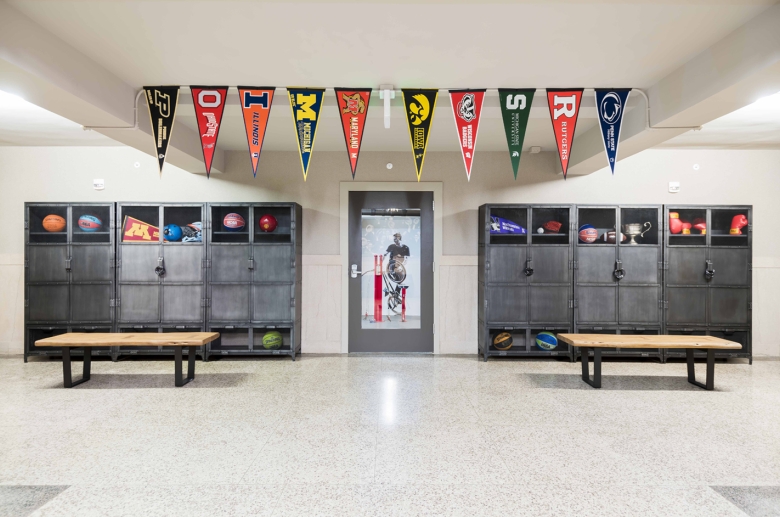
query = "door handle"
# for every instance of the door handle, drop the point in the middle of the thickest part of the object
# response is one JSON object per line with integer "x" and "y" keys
{"x": 529, "y": 270}
{"x": 619, "y": 272}
{"x": 160, "y": 269}
{"x": 354, "y": 272}
{"x": 709, "y": 272}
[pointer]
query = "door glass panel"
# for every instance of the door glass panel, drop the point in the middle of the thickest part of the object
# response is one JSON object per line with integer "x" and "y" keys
{"x": 729, "y": 228}
{"x": 687, "y": 227}
{"x": 508, "y": 225}
{"x": 639, "y": 225}
{"x": 550, "y": 225}
{"x": 390, "y": 287}
{"x": 92, "y": 224}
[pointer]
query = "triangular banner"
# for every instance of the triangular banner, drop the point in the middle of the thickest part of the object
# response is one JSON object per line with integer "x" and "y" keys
{"x": 162, "y": 102}
{"x": 353, "y": 109}
{"x": 419, "y": 106}
{"x": 515, "y": 110}
{"x": 564, "y": 108}
{"x": 611, "y": 104}
{"x": 467, "y": 109}
{"x": 209, "y": 102}
{"x": 306, "y": 104}
{"x": 256, "y": 106}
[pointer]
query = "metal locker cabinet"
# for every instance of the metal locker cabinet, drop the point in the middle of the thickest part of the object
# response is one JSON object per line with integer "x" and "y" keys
{"x": 254, "y": 279}
{"x": 69, "y": 275}
{"x": 709, "y": 277}
{"x": 524, "y": 280}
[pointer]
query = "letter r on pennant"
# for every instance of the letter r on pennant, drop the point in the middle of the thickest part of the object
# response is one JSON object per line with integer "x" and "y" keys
{"x": 567, "y": 106}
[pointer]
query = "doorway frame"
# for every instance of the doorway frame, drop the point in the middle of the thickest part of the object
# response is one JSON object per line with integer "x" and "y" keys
{"x": 345, "y": 187}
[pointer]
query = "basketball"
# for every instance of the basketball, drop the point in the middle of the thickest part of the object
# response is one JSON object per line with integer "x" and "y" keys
{"x": 90, "y": 223}
{"x": 172, "y": 233}
{"x": 272, "y": 340}
{"x": 268, "y": 223}
{"x": 588, "y": 234}
{"x": 546, "y": 341}
{"x": 53, "y": 223}
{"x": 503, "y": 341}
{"x": 233, "y": 223}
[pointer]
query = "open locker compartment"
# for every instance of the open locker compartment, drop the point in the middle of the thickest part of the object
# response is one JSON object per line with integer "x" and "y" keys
{"x": 524, "y": 342}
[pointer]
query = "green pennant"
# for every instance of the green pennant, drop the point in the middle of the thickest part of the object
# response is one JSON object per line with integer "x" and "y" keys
{"x": 515, "y": 109}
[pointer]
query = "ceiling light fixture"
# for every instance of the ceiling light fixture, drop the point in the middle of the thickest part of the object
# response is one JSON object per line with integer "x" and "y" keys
{"x": 387, "y": 92}
{"x": 770, "y": 101}
{"x": 11, "y": 101}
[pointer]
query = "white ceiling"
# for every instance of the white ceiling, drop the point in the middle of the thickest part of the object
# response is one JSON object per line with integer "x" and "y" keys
{"x": 420, "y": 43}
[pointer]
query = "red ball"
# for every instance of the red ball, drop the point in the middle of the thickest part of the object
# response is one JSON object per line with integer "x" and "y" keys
{"x": 268, "y": 223}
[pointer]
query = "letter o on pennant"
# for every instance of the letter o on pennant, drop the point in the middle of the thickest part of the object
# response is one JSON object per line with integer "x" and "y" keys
{"x": 205, "y": 96}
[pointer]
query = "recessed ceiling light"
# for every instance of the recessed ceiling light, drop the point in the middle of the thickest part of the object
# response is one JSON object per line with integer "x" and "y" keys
{"x": 770, "y": 101}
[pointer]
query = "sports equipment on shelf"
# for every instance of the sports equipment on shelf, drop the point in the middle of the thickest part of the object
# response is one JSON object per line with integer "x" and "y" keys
{"x": 172, "y": 233}
{"x": 546, "y": 341}
{"x": 738, "y": 222}
{"x": 268, "y": 223}
{"x": 89, "y": 223}
{"x": 503, "y": 341}
{"x": 686, "y": 227}
{"x": 193, "y": 232}
{"x": 499, "y": 225}
{"x": 610, "y": 237}
{"x": 701, "y": 225}
{"x": 272, "y": 340}
{"x": 233, "y": 223}
{"x": 552, "y": 227}
{"x": 588, "y": 234}
{"x": 53, "y": 223}
{"x": 675, "y": 224}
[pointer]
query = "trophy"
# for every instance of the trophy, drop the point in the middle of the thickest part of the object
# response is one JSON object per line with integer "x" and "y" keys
{"x": 635, "y": 229}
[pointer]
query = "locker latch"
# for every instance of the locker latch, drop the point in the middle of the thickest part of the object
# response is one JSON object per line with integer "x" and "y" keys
{"x": 251, "y": 264}
{"x": 572, "y": 304}
{"x": 67, "y": 264}
{"x": 619, "y": 272}
{"x": 709, "y": 272}
{"x": 529, "y": 267}
{"x": 160, "y": 269}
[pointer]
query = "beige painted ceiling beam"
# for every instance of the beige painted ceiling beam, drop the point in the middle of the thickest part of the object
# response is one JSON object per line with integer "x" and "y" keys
{"x": 46, "y": 71}
{"x": 730, "y": 74}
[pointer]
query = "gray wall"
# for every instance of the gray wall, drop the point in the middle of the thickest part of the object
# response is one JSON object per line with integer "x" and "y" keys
{"x": 66, "y": 174}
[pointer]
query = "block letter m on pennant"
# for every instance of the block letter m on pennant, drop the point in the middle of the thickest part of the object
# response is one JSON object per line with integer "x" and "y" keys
{"x": 305, "y": 102}
{"x": 139, "y": 230}
{"x": 250, "y": 100}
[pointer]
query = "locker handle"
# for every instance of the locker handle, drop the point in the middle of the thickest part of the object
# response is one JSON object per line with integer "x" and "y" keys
{"x": 709, "y": 272}
{"x": 67, "y": 264}
{"x": 529, "y": 270}
{"x": 251, "y": 264}
{"x": 160, "y": 269}
{"x": 619, "y": 272}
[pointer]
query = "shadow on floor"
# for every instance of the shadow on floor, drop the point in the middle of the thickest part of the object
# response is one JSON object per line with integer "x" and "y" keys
{"x": 756, "y": 501}
{"x": 155, "y": 380}
{"x": 562, "y": 381}
{"x": 19, "y": 501}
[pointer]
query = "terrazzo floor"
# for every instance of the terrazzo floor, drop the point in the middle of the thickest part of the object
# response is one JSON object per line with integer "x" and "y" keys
{"x": 388, "y": 436}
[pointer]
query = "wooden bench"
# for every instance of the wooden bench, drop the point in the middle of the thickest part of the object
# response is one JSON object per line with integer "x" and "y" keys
{"x": 595, "y": 342}
{"x": 86, "y": 341}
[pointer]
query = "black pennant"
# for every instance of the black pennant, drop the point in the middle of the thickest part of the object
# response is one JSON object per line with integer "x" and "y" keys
{"x": 162, "y": 102}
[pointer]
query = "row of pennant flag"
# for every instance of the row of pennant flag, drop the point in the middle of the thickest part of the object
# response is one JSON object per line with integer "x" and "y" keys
{"x": 419, "y": 105}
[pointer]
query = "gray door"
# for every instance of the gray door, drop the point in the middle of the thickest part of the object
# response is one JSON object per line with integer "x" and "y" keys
{"x": 182, "y": 303}
{"x": 230, "y": 302}
{"x": 596, "y": 304}
{"x": 138, "y": 262}
{"x": 230, "y": 263}
{"x": 639, "y": 304}
{"x": 391, "y": 306}
{"x": 686, "y": 266}
{"x": 687, "y": 305}
{"x": 506, "y": 264}
{"x": 183, "y": 262}
{"x": 731, "y": 266}
{"x": 91, "y": 264}
{"x": 91, "y": 302}
{"x": 549, "y": 303}
{"x": 640, "y": 265}
{"x": 48, "y": 302}
{"x": 729, "y": 306}
{"x": 507, "y": 304}
{"x": 139, "y": 303}
{"x": 272, "y": 302}
{"x": 596, "y": 264}
{"x": 273, "y": 263}
{"x": 47, "y": 264}
{"x": 550, "y": 265}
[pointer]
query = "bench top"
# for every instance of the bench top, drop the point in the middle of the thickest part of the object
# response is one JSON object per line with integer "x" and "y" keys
{"x": 80, "y": 339}
{"x": 646, "y": 341}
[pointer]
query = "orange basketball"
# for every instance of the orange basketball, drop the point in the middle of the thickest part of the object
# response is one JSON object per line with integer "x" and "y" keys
{"x": 53, "y": 223}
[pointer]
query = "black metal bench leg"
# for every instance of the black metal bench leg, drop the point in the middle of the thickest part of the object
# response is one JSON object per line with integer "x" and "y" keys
{"x": 67, "y": 376}
{"x": 596, "y": 381}
{"x": 710, "y": 382}
{"x": 179, "y": 365}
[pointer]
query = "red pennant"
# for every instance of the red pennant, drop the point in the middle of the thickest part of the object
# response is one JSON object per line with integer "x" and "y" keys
{"x": 209, "y": 102}
{"x": 467, "y": 108}
{"x": 256, "y": 106}
{"x": 564, "y": 108}
{"x": 353, "y": 109}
